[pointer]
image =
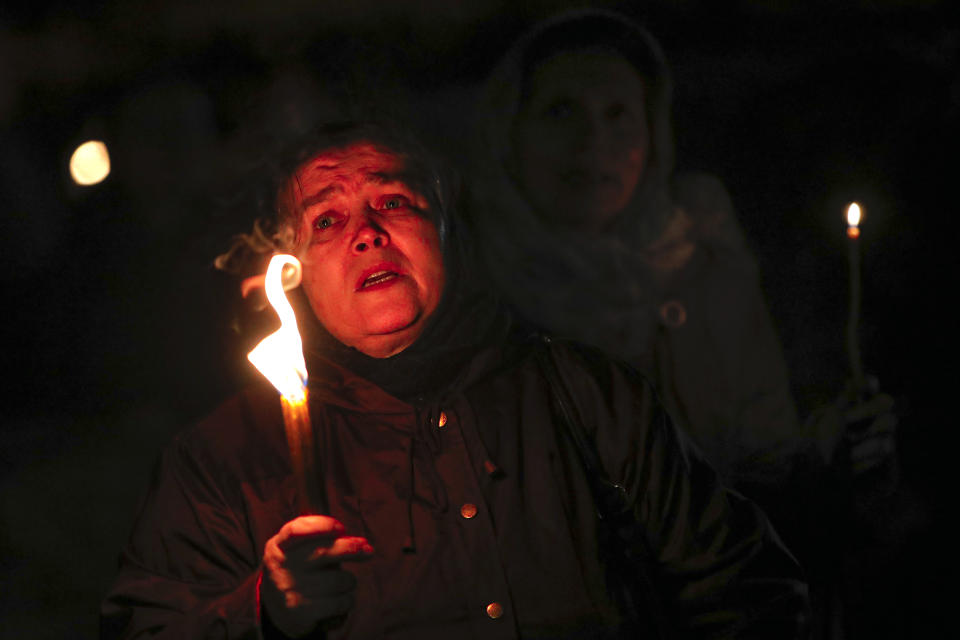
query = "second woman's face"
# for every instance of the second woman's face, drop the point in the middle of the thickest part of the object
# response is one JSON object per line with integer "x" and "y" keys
{"x": 581, "y": 140}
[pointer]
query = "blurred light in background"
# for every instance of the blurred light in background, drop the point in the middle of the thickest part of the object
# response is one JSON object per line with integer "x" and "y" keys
{"x": 90, "y": 163}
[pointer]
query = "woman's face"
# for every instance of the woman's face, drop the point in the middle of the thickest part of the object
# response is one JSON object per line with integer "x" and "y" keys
{"x": 581, "y": 141}
{"x": 372, "y": 265}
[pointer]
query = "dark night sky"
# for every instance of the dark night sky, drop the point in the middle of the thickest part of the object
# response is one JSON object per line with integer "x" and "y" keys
{"x": 116, "y": 327}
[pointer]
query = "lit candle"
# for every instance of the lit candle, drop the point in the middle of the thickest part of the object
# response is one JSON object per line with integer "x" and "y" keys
{"x": 279, "y": 357}
{"x": 854, "y": 217}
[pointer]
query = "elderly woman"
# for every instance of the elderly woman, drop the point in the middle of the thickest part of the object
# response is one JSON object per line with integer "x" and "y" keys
{"x": 459, "y": 460}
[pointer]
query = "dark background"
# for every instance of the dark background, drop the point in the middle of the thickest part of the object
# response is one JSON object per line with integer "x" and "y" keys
{"x": 116, "y": 330}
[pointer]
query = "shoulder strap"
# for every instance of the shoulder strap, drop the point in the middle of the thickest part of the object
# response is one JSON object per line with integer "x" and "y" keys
{"x": 610, "y": 497}
{"x": 634, "y": 589}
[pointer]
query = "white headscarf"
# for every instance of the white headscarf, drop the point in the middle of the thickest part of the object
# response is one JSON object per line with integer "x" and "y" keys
{"x": 600, "y": 288}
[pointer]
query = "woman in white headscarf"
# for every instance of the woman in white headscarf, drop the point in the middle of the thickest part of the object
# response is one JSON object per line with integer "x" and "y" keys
{"x": 588, "y": 232}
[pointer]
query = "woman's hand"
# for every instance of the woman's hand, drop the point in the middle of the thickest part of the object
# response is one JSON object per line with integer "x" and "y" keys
{"x": 303, "y": 584}
{"x": 870, "y": 434}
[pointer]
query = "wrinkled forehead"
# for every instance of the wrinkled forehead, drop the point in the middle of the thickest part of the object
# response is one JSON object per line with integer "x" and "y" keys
{"x": 352, "y": 165}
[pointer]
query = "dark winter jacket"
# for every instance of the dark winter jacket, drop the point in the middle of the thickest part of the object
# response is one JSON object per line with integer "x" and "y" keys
{"x": 469, "y": 498}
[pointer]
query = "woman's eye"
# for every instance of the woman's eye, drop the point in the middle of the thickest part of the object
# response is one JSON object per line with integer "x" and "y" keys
{"x": 323, "y": 222}
{"x": 393, "y": 202}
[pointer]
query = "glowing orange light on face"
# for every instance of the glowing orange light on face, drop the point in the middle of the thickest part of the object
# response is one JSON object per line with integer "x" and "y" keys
{"x": 372, "y": 263}
{"x": 854, "y": 215}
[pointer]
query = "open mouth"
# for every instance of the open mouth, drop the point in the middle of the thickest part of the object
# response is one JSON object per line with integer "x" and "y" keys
{"x": 379, "y": 277}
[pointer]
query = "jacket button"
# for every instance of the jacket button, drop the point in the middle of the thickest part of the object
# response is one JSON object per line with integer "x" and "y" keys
{"x": 469, "y": 510}
{"x": 673, "y": 313}
{"x": 443, "y": 419}
{"x": 494, "y": 610}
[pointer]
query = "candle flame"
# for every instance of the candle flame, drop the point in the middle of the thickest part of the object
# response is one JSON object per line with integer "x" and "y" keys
{"x": 854, "y": 215}
{"x": 279, "y": 356}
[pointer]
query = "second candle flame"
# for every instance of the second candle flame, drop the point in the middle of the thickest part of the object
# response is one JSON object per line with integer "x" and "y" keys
{"x": 854, "y": 214}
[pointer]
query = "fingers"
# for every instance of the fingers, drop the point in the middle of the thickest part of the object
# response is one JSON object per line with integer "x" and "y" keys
{"x": 311, "y": 542}
{"x": 866, "y": 464}
{"x": 303, "y": 584}
{"x": 883, "y": 426}
{"x": 295, "y": 533}
{"x": 871, "y": 452}
{"x": 310, "y": 529}
{"x": 870, "y": 432}
{"x": 323, "y": 552}
{"x": 345, "y": 548}
{"x": 875, "y": 406}
{"x": 320, "y": 537}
